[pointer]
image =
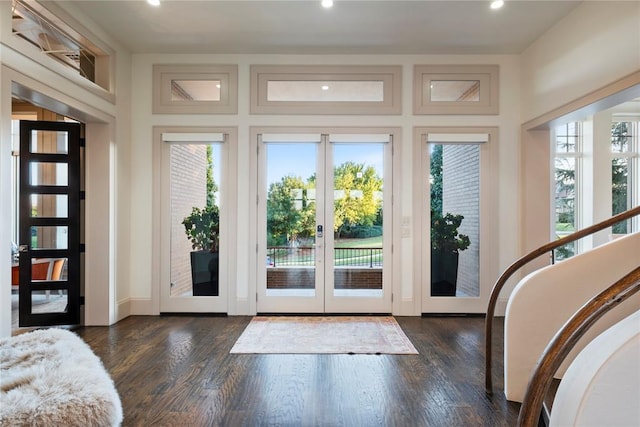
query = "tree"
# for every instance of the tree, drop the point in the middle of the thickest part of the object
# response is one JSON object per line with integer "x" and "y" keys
{"x": 289, "y": 212}
{"x": 212, "y": 187}
{"x": 435, "y": 165}
{"x": 619, "y": 173}
{"x": 358, "y": 205}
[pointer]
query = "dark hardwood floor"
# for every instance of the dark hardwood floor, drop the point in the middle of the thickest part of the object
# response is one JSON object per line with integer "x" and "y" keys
{"x": 177, "y": 371}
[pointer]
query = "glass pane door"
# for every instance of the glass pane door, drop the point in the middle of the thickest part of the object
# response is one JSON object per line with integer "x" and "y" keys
{"x": 356, "y": 212}
{"x": 292, "y": 232}
{"x": 49, "y": 224}
{"x": 322, "y": 224}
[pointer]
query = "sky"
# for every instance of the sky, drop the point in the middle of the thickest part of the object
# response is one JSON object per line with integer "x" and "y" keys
{"x": 299, "y": 159}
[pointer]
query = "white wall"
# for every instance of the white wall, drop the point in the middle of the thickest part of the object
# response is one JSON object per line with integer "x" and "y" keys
{"x": 596, "y": 44}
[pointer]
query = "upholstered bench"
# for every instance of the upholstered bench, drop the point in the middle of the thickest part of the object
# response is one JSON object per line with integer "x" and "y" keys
{"x": 51, "y": 377}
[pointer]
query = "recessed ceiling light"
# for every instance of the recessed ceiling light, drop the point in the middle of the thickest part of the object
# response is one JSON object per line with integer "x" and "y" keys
{"x": 325, "y": 87}
{"x": 154, "y": 2}
{"x": 497, "y": 4}
{"x": 327, "y": 3}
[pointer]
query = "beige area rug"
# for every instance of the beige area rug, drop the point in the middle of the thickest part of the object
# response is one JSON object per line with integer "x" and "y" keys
{"x": 51, "y": 377}
{"x": 328, "y": 334}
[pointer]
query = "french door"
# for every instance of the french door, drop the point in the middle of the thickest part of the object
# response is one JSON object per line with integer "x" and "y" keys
{"x": 49, "y": 224}
{"x": 324, "y": 228}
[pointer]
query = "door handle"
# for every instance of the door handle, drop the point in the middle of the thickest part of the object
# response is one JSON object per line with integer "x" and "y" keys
{"x": 23, "y": 248}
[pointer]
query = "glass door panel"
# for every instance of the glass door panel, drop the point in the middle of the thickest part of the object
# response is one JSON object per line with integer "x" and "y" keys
{"x": 292, "y": 233}
{"x": 455, "y": 227}
{"x": 356, "y": 210}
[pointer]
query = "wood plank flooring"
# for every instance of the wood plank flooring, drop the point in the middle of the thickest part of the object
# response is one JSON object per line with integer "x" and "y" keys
{"x": 177, "y": 371}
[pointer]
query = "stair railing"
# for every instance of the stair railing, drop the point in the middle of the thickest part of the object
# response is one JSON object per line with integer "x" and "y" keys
{"x": 566, "y": 338}
{"x": 506, "y": 275}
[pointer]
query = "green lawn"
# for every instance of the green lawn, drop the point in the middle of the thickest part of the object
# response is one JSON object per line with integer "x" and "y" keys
{"x": 369, "y": 242}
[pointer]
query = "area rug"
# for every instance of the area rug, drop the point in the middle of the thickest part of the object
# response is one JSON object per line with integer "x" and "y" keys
{"x": 328, "y": 334}
{"x": 51, "y": 377}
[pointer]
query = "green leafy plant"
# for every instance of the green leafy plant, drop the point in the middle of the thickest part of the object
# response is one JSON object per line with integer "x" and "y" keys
{"x": 203, "y": 228}
{"x": 444, "y": 233}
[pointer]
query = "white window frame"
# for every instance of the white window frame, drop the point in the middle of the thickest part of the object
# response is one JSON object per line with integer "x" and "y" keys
{"x": 487, "y": 75}
{"x": 488, "y": 218}
{"x": 391, "y": 76}
{"x": 633, "y": 161}
{"x": 161, "y": 253}
{"x": 164, "y": 74}
{"x": 578, "y": 156}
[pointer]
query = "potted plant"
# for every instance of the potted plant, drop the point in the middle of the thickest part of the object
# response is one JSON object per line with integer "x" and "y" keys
{"x": 202, "y": 227}
{"x": 446, "y": 244}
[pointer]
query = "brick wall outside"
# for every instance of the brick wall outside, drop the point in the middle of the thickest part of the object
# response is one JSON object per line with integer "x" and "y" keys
{"x": 461, "y": 196}
{"x": 303, "y": 278}
{"x": 188, "y": 189}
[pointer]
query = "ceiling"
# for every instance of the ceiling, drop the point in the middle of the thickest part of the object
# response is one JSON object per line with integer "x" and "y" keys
{"x": 304, "y": 27}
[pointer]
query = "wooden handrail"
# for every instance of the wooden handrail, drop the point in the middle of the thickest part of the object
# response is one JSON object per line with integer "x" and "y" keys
{"x": 566, "y": 338}
{"x": 506, "y": 275}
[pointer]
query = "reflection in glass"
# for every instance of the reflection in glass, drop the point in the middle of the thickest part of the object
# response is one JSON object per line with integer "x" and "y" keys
{"x": 291, "y": 218}
{"x": 195, "y": 219}
{"x": 455, "y": 219}
{"x": 49, "y": 237}
{"x": 47, "y": 173}
{"x": 49, "y": 142}
{"x": 330, "y": 91}
{"x": 49, "y": 205}
{"x": 49, "y": 301}
{"x": 358, "y": 196}
{"x": 454, "y": 90}
{"x": 195, "y": 90}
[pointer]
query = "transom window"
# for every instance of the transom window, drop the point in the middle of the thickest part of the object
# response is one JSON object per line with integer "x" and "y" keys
{"x": 35, "y": 24}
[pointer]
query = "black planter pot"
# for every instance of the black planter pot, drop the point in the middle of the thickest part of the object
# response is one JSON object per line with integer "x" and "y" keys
{"x": 444, "y": 273}
{"x": 204, "y": 273}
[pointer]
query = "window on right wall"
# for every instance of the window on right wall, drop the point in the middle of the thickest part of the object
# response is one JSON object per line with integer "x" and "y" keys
{"x": 625, "y": 157}
{"x": 567, "y": 165}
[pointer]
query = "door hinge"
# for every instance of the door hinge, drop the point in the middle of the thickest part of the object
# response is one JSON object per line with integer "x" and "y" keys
{"x": 83, "y": 142}
{"x": 256, "y": 297}
{"x": 82, "y": 248}
{"x": 256, "y": 248}
{"x": 391, "y": 297}
{"x": 83, "y": 195}
{"x": 82, "y": 300}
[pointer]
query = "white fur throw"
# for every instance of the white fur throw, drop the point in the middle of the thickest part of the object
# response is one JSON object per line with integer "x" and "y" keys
{"x": 51, "y": 377}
